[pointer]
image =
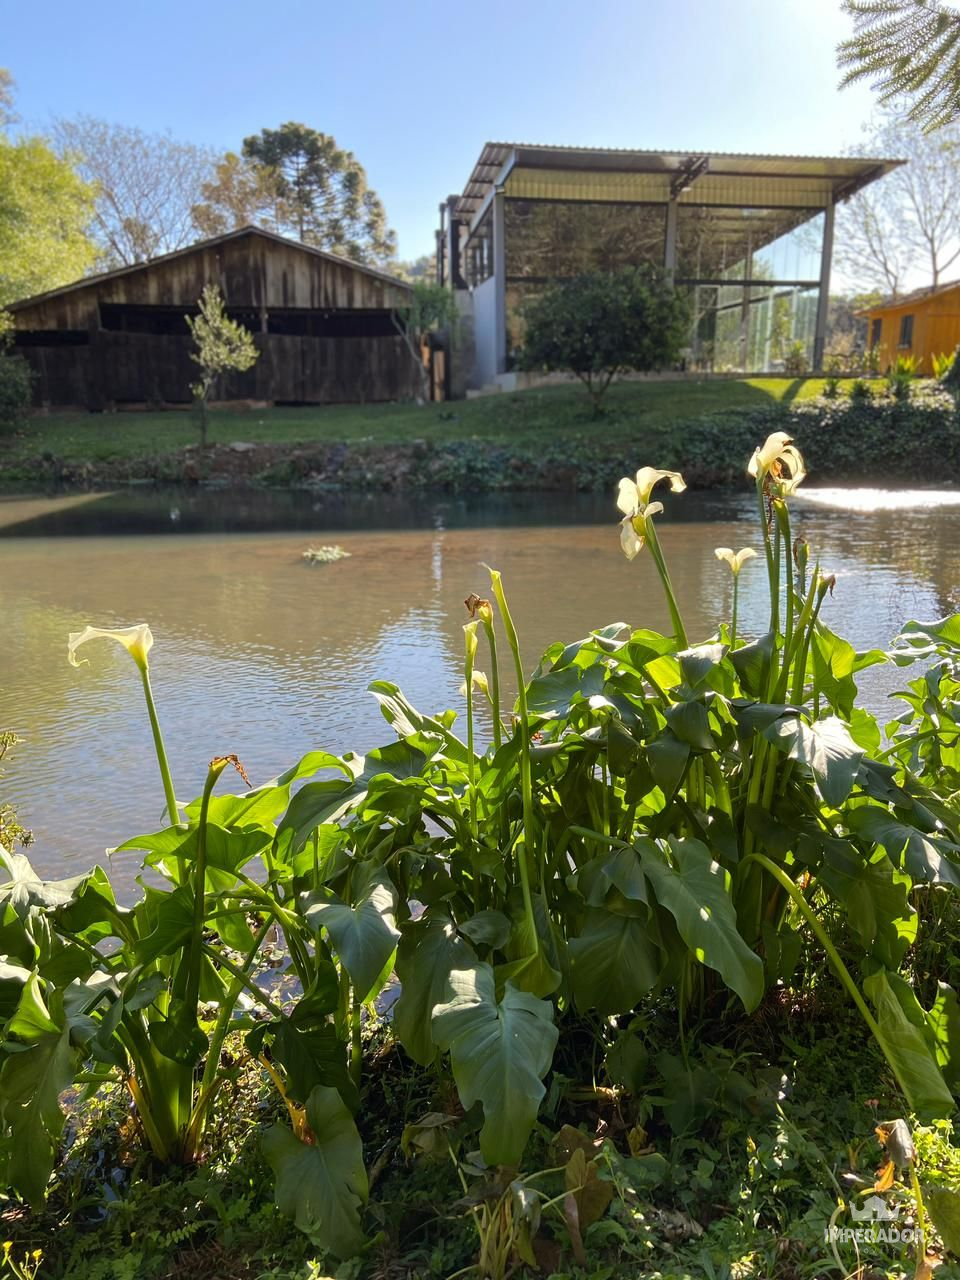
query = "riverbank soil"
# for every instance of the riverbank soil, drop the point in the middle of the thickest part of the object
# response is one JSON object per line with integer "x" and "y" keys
{"x": 538, "y": 438}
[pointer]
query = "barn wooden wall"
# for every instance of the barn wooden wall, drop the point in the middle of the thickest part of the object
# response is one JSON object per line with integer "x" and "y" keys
{"x": 255, "y": 272}
{"x": 134, "y": 368}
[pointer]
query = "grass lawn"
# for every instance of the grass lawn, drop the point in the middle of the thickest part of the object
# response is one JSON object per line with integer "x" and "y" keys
{"x": 522, "y": 417}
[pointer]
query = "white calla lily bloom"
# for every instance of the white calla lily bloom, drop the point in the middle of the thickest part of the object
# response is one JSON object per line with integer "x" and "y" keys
{"x": 633, "y": 499}
{"x": 137, "y": 640}
{"x": 735, "y": 559}
{"x": 633, "y": 495}
{"x": 780, "y": 459}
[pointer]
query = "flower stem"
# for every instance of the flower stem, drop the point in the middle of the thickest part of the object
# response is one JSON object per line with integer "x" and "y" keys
{"x": 526, "y": 772}
{"x": 491, "y": 635}
{"x": 657, "y": 552}
{"x": 173, "y": 812}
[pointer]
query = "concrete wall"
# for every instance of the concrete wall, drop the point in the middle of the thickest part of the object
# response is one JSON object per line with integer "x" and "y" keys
{"x": 484, "y": 333}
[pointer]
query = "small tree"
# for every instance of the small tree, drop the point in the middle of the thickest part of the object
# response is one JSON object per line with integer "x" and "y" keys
{"x": 223, "y": 346}
{"x": 597, "y": 326}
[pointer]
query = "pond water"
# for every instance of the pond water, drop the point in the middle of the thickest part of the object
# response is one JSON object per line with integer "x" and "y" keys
{"x": 257, "y": 652}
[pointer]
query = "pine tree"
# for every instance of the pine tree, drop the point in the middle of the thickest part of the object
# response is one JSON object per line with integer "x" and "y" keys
{"x": 910, "y": 49}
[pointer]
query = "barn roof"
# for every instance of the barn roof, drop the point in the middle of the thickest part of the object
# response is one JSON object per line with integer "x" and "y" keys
{"x": 198, "y": 246}
{"x": 759, "y": 177}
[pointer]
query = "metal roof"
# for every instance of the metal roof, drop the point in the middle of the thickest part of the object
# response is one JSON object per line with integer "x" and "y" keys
{"x": 682, "y": 171}
{"x": 198, "y": 245}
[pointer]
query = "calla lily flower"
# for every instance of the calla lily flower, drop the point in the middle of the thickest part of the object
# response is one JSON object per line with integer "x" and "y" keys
{"x": 735, "y": 559}
{"x": 138, "y": 641}
{"x": 479, "y": 681}
{"x": 633, "y": 499}
{"x": 633, "y": 495}
{"x": 780, "y": 459}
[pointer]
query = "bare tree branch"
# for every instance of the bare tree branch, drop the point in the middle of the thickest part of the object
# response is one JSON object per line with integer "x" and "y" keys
{"x": 147, "y": 185}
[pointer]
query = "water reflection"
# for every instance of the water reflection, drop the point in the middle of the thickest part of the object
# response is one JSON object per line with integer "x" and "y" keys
{"x": 260, "y": 653}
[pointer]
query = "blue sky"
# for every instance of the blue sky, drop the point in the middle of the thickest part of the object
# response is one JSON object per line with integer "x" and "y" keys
{"x": 414, "y": 90}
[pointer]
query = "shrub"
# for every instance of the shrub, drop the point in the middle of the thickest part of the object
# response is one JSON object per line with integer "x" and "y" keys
{"x": 16, "y": 390}
{"x": 942, "y": 364}
{"x": 597, "y": 326}
{"x": 795, "y": 362}
{"x": 900, "y": 375}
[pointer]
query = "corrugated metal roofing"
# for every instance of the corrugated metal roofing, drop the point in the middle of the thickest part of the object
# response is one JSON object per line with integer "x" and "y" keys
{"x": 736, "y": 177}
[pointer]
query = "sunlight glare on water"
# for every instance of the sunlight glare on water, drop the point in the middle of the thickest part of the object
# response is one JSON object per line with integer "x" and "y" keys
{"x": 867, "y": 500}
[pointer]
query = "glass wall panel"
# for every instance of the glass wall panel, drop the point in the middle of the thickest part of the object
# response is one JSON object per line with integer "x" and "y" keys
{"x": 715, "y": 243}
{"x": 551, "y": 239}
{"x": 736, "y": 329}
{"x": 519, "y": 295}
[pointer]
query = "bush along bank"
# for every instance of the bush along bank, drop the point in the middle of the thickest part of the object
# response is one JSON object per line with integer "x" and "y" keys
{"x": 875, "y": 438}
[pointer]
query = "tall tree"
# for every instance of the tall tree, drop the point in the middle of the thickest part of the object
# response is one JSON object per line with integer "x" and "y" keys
{"x": 147, "y": 186}
{"x": 910, "y": 49}
{"x": 908, "y": 223}
{"x": 241, "y": 193}
{"x": 318, "y": 193}
{"x": 45, "y": 211}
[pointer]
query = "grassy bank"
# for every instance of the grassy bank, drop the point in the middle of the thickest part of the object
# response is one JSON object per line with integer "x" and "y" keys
{"x": 538, "y": 440}
{"x": 137, "y": 443}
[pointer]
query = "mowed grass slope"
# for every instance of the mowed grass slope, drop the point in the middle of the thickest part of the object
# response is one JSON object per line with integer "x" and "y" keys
{"x": 526, "y": 417}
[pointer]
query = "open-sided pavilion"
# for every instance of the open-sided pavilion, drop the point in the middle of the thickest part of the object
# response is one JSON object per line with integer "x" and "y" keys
{"x": 750, "y": 236}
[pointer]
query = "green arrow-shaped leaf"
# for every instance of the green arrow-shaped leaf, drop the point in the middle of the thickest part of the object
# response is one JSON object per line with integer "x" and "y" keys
{"x": 321, "y": 1183}
{"x": 365, "y": 934}
{"x": 906, "y": 1049}
{"x": 929, "y": 859}
{"x": 428, "y": 953}
{"x": 696, "y": 891}
{"x": 826, "y": 748}
{"x": 500, "y": 1051}
{"x": 613, "y": 962}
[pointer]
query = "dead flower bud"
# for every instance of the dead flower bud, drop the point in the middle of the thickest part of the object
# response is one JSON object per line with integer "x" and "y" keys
{"x": 477, "y": 607}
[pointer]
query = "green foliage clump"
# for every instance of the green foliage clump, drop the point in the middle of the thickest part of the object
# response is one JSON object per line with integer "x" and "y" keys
{"x": 16, "y": 390}
{"x": 44, "y": 219}
{"x": 12, "y": 830}
{"x": 597, "y": 326}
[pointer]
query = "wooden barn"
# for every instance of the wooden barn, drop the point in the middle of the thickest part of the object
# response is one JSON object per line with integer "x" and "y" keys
{"x": 325, "y": 326}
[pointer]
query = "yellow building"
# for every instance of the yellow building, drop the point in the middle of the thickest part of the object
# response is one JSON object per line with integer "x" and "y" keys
{"x": 923, "y": 324}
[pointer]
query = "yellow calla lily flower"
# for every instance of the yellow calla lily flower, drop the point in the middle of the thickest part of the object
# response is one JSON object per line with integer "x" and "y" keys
{"x": 735, "y": 559}
{"x": 138, "y": 641}
{"x": 779, "y": 459}
{"x": 633, "y": 499}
